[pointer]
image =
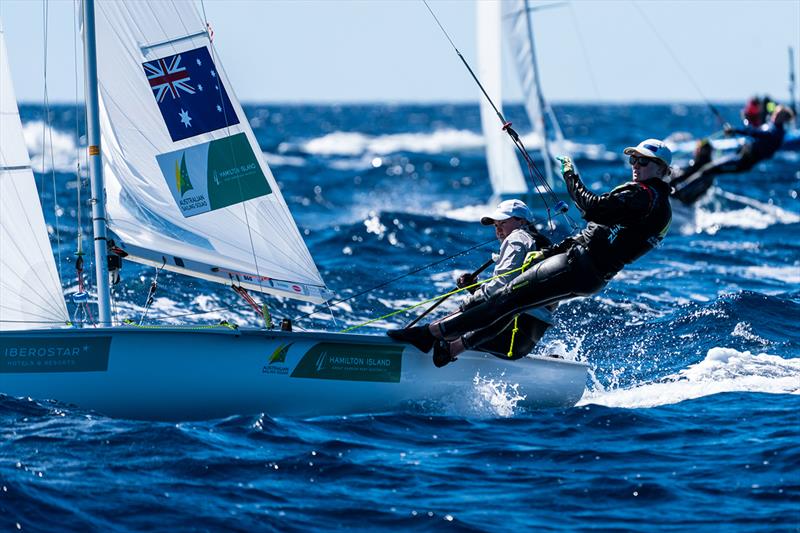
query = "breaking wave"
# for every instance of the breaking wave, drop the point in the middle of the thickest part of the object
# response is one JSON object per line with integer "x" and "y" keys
{"x": 722, "y": 370}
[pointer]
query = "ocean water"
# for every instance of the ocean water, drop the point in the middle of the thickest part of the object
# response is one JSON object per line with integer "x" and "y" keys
{"x": 691, "y": 418}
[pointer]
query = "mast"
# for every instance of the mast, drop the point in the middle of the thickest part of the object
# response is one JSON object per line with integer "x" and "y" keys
{"x": 545, "y": 151}
{"x": 98, "y": 199}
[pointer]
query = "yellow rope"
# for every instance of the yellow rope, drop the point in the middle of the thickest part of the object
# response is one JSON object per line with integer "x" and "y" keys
{"x": 529, "y": 259}
{"x": 513, "y": 334}
{"x": 222, "y": 324}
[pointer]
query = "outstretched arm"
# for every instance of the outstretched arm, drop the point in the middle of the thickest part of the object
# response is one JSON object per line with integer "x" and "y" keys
{"x": 626, "y": 202}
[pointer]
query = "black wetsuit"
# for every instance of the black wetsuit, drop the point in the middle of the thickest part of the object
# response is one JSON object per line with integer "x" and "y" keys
{"x": 623, "y": 225}
{"x": 766, "y": 141}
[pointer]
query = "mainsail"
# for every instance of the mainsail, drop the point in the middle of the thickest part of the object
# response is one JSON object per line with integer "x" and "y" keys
{"x": 30, "y": 290}
{"x": 504, "y": 170}
{"x": 186, "y": 182}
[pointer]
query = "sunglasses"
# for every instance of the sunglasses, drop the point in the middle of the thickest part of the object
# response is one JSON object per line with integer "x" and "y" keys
{"x": 643, "y": 161}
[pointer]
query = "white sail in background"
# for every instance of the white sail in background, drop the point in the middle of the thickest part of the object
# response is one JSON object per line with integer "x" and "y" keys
{"x": 30, "y": 290}
{"x": 518, "y": 30}
{"x": 504, "y": 169}
{"x": 187, "y": 184}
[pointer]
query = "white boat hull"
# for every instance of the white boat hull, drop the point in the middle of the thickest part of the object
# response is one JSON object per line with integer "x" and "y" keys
{"x": 175, "y": 374}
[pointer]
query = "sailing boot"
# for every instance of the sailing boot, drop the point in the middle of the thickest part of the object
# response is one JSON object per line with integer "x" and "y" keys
{"x": 441, "y": 354}
{"x": 419, "y": 337}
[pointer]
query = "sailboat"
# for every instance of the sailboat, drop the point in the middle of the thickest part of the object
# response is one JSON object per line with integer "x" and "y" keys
{"x": 187, "y": 190}
{"x": 511, "y": 21}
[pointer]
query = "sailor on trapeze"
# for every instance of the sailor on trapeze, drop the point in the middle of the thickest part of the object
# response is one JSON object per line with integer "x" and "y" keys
{"x": 623, "y": 225}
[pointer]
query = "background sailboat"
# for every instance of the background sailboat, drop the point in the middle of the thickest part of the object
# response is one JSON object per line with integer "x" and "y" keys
{"x": 511, "y": 22}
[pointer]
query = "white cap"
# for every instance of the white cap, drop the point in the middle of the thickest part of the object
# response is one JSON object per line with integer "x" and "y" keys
{"x": 652, "y": 148}
{"x": 506, "y": 210}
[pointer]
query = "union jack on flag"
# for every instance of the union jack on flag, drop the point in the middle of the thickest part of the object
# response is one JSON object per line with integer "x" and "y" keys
{"x": 168, "y": 77}
{"x": 189, "y": 93}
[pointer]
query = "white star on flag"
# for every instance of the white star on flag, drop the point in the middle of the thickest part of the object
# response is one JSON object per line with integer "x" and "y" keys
{"x": 185, "y": 118}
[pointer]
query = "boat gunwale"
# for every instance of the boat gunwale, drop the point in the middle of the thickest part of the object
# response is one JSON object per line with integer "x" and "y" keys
{"x": 256, "y": 332}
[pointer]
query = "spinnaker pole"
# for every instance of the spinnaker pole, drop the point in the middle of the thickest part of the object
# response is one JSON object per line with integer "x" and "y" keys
{"x": 98, "y": 199}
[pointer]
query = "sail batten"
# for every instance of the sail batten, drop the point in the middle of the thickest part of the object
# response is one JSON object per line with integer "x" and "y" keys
{"x": 186, "y": 179}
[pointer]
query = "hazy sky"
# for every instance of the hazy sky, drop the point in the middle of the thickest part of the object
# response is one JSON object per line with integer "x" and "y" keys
{"x": 392, "y": 50}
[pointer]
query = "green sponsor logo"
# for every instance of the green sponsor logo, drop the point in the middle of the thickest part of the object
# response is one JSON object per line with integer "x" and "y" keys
{"x": 54, "y": 354}
{"x": 224, "y": 171}
{"x": 279, "y": 355}
{"x": 182, "y": 177}
{"x": 351, "y": 362}
{"x": 234, "y": 174}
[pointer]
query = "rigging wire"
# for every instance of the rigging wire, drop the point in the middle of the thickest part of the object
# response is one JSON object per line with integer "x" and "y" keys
{"x": 683, "y": 69}
{"x": 389, "y": 282}
{"x": 584, "y": 51}
{"x": 47, "y": 133}
{"x": 338, "y": 302}
{"x": 533, "y": 171}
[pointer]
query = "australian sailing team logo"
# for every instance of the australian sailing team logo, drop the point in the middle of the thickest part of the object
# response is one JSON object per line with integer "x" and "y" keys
{"x": 182, "y": 181}
{"x": 277, "y": 361}
{"x": 213, "y": 175}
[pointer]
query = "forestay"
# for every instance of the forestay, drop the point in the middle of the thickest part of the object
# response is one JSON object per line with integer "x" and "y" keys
{"x": 504, "y": 170}
{"x": 186, "y": 182}
{"x": 30, "y": 290}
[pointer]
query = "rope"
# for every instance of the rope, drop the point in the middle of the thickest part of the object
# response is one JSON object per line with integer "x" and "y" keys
{"x": 151, "y": 293}
{"x": 513, "y": 336}
{"x": 530, "y": 258}
{"x": 47, "y": 134}
{"x": 533, "y": 171}
{"x": 680, "y": 65}
{"x": 389, "y": 282}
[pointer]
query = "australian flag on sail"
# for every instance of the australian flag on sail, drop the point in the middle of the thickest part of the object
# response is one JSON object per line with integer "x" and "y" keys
{"x": 189, "y": 93}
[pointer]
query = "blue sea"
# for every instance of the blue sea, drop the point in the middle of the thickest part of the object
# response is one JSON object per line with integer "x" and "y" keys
{"x": 690, "y": 420}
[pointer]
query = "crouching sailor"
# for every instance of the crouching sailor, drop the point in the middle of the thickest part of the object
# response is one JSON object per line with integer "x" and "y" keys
{"x": 623, "y": 225}
{"x": 513, "y": 226}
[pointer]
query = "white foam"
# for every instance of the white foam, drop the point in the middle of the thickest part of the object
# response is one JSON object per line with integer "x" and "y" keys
{"x": 744, "y": 330}
{"x": 283, "y": 160}
{"x": 722, "y": 370}
{"x": 495, "y": 398}
{"x": 354, "y": 144}
{"x": 787, "y": 274}
{"x": 64, "y": 153}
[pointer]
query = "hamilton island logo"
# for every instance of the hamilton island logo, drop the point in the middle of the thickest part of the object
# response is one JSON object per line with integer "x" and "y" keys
{"x": 278, "y": 358}
{"x": 182, "y": 182}
{"x": 351, "y": 362}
